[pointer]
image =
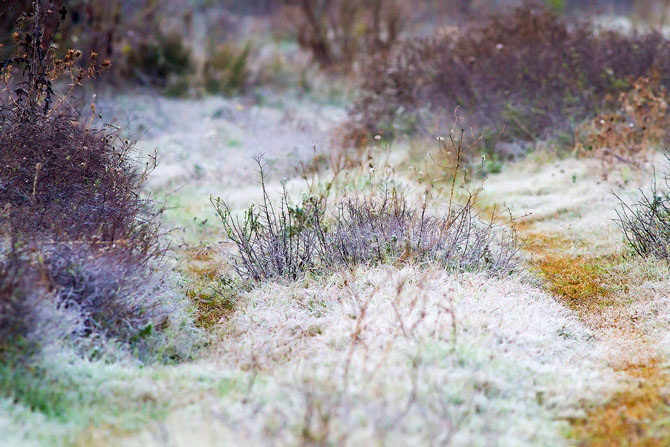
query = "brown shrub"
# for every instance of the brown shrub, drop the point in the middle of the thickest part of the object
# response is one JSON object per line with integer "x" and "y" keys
{"x": 71, "y": 206}
{"x": 73, "y": 183}
{"x": 59, "y": 176}
{"x": 527, "y": 69}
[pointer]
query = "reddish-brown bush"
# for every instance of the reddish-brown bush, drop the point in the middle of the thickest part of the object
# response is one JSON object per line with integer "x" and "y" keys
{"x": 630, "y": 133}
{"x": 59, "y": 176}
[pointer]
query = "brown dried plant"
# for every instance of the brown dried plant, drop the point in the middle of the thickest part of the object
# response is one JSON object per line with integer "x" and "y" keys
{"x": 632, "y": 132}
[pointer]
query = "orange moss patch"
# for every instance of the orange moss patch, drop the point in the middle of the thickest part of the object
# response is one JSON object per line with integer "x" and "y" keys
{"x": 584, "y": 284}
{"x": 637, "y": 416}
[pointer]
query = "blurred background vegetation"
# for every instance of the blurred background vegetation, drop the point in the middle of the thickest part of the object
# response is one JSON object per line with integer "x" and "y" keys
{"x": 221, "y": 46}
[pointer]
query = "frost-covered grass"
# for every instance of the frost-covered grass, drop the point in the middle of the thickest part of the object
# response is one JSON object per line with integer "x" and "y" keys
{"x": 385, "y": 355}
{"x": 211, "y": 141}
{"x": 414, "y": 355}
{"x": 576, "y": 247}
{"x": 65, "y": 400}
{"x": 569, "y": 199}
{"x": 388, "y": 355}
{"x": 410, "y": 356}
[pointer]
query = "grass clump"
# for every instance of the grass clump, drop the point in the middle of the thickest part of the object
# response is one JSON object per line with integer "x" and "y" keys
{"x": 210, "y": 289}
{"x": 162, "y": 61}
{"x": 528, "y": 69}
{"x": 227, "y": 69}
{"x": 389, "y": 231}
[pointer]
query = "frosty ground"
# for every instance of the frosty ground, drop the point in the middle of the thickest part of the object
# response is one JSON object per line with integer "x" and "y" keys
{"x": 382, "y": 355}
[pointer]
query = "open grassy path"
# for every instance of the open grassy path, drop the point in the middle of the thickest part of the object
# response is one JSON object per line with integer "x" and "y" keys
{"x": 572, "y": 248}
